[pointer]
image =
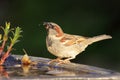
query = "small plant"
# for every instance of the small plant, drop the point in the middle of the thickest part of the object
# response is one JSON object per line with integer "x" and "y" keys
{"x": 25, "y": 59}
{"x": 13, "y": 40}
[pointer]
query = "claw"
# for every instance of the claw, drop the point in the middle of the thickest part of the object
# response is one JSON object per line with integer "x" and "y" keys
{"x": 55, "y": 60}
{"x": 59, "y": 61}
{"x": 64, "y": 62}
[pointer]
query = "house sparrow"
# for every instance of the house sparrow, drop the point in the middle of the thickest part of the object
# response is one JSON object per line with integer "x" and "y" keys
{"x": 67, "y": 46}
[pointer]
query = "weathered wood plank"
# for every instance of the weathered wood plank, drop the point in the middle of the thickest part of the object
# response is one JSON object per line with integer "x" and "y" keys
{"x": 74, "y": 71}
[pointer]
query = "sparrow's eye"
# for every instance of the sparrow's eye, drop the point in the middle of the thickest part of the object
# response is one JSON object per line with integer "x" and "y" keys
{"x": 51, "y": 26}
{"x": 48, "y": 25}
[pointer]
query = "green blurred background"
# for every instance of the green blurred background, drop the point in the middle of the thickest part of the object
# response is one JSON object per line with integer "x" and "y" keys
{"x": 81, "y": 17}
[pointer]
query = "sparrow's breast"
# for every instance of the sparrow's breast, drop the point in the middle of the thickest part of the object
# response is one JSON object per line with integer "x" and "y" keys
{"x": 53, "y": 45}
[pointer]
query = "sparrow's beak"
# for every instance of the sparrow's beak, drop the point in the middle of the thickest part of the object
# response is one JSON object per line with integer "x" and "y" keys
{"x": 48, "y": 25}
{"x": 45, "y": 23}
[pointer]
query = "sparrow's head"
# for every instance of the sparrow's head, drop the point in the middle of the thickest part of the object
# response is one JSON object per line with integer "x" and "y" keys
{"x": 53, "y": 29}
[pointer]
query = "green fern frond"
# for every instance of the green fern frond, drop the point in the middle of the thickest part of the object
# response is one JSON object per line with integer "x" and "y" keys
{"x": 16, "y": 35}
{"x": 6, "y": 30}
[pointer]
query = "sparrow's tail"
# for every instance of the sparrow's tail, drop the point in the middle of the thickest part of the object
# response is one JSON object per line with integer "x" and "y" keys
{"x": 97, "y": 38}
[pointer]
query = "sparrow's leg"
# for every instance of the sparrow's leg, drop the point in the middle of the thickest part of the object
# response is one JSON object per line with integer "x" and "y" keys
{"x": 55, "y": 60}
{"x": 66, "y": 61}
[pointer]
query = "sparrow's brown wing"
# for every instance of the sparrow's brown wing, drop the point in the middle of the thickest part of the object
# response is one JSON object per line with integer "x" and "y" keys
{"x": 72, "y": 39}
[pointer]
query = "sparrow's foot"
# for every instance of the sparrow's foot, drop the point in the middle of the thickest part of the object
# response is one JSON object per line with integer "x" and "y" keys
{"x": 66, "y": 61}
{"x": 60, "y": 61}
{"x": 55, "y": 60}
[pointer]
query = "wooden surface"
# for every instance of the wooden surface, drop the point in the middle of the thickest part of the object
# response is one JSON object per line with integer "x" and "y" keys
{"x": 70, "y": 71}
